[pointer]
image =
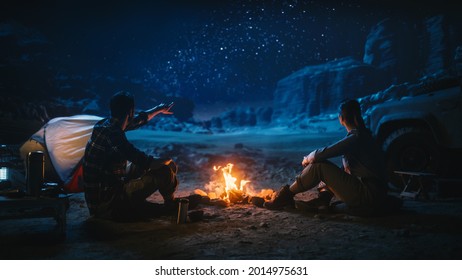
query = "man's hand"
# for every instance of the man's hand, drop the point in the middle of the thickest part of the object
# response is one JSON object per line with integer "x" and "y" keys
{"x": 308, "y": 159}
{"x": 164, "y": 108}
{"x": 160, "y": 109}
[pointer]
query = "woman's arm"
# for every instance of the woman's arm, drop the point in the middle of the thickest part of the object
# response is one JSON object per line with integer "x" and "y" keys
{"x": 337, "y": 149}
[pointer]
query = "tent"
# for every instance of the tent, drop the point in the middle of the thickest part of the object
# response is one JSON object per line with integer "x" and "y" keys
{"x": 63, "y": 142}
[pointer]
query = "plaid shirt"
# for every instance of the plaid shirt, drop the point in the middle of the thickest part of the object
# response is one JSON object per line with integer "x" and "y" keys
{"x": 106, "y": 155}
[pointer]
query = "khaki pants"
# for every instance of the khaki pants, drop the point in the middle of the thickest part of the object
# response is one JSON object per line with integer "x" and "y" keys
{"x": 127, "y": 201}
{"x": 164, "y": 180}
{"x": 352, "y": 190}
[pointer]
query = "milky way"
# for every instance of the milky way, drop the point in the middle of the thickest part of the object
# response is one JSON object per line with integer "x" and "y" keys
{"x": 206, "y": 51}
{"x": 242, "y": 49}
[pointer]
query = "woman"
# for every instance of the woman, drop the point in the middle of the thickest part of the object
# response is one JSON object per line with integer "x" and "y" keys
{"x": 361, "y": 184}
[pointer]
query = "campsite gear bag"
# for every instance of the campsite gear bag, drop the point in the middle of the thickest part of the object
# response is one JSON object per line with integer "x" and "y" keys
{"x": 35, "y": 172}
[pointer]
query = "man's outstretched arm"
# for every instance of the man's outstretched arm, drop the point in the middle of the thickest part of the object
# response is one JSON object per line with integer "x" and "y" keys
{"x": 144, "y": 117}
{"x": 159, "y": 109}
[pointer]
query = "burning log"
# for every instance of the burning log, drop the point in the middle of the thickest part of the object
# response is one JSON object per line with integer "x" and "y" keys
{"x": 222, "y": 193}
{"x": 219, "y": 202}
{"x": 235, "y": 196}
{"x": 205, "y": 200}
{"x": 200, "y": 192}
{"x": 246, "y": 199}
{"x": 257, "y": 201}
{"x": 266, "y": 194}
{"x": 211, "y": 199}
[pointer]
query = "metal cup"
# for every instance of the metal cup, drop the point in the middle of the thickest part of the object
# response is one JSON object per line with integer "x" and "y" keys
{"x": 183, "y": 205}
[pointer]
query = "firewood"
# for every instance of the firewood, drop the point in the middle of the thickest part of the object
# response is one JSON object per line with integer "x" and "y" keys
{"x": 235, "y": 196}
{"x": 257, "y": 201}
{"x": 200, "y": 192}
{"x": 219, "y": 202}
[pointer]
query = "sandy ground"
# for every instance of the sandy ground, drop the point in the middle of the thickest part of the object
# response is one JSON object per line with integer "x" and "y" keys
{"x": 425, "y": 229}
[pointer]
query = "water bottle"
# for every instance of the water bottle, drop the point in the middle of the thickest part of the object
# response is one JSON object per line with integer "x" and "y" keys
{"x": 35, "y": 172}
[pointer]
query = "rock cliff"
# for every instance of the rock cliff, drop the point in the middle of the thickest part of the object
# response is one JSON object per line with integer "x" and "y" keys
{"x": 395, "y": 52}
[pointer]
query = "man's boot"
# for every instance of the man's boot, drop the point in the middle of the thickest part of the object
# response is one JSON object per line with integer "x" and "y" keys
{"x": 284, "y": 197}
{"x": 170, "y": 204}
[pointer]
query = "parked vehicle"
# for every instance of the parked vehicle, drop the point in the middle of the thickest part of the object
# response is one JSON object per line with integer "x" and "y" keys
{"x": 422, "y": 130}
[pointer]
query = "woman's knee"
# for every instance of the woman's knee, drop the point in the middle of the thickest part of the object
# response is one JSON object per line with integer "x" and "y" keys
{"x": 315, "y": 168}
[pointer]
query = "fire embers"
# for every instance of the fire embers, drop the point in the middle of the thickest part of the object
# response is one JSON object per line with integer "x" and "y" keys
{"x": 223, "y": 191}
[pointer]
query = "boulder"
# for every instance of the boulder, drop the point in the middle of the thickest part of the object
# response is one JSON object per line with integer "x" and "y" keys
{"x": 318, "y": 89}
{"x": 406, "y": 51}
{"x": 392, "y": 46}
{"x": 395, "y": 52}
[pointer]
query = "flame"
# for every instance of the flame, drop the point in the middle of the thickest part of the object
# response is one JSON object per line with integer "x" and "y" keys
{"x": 231, "y": 191}
{"x": 230, "y": 181}
{"x": 227, "y": 189}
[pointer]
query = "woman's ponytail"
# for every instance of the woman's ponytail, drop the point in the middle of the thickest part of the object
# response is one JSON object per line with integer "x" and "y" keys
{"x": 350, "y": 110}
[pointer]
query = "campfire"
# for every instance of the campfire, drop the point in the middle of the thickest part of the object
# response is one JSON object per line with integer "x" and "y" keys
{"x": 228, "y": 189}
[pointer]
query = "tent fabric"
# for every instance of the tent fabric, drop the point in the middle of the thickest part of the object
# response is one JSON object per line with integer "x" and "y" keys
{"x": 65, "y": 139}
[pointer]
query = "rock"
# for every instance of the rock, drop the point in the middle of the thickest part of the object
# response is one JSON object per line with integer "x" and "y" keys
{"x": 407, "y": 50}
{"x": 205, "y": 200}
{"x": 317, "y": 89}
{"x": 241, "y": 117}
{"x": 395, "y": 52}
{"x": 252, "y": 227}
{"x": 390, "y": 47}
{"x": 458, "y": 61}
{"x": 263, "y": 225}
{"x": 402, "y": 233}
{"x": 257, "y": 201}
{"x": 196, "y": 215}
{"x": 320, "y": 217}
{"x": 200, "y": 192}
{"x": 238, "y": 146}
{"x": 219, "y": 202}
{"x": 264, "y": 115}
{"x": 235, "y": 196}
{"x": 92, "y": 108}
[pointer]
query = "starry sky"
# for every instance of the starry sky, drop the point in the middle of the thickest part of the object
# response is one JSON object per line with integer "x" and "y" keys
{"x": 207, "y": 51}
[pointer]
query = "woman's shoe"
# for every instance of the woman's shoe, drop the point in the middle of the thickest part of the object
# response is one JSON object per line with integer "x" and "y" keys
{"x": 316, "y": 205}
{"x": 284, "y": 197}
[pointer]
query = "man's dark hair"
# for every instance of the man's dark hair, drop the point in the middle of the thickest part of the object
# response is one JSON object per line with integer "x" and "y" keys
{"x": 121, "y": 103}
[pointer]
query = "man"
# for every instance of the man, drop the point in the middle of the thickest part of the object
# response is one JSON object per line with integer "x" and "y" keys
{"x": 361, "y": 184}
{"x": 111, "y": 191}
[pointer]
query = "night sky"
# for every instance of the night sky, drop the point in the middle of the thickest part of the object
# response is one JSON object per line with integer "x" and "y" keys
{"x": 207, "y": 51}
